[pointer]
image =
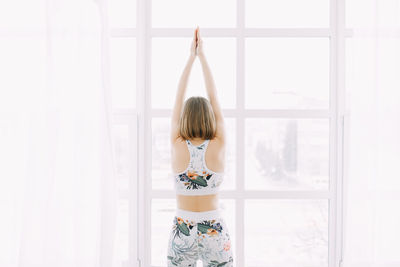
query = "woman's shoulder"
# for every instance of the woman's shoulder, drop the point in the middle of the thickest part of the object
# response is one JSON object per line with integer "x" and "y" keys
{"x": 178, "y": 142}
{"x": 216, "y": 144}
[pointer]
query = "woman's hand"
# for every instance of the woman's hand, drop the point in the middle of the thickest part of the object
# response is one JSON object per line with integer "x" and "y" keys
{"x": 199, "y": 50}
{"x": 196, "y": 48}
{"x": 193, "y": 47}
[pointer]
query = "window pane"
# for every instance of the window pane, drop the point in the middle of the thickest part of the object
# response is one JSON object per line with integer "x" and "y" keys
{"x": 167, "y": 68}
{"x": 122, "y": 155}
{"x": 287, "y": 73}
{"x": 121, "y": 146}
{"x": 162, "y": 214}
{"x": 287, "y": 154}
{"x": 122, "y": 13}
{"x": 121, "y": 248}
{"x": 228, "y": 208}
{"x": 190, "y": 13}
{"x": 229, "y": 182}
{"x": 287, "y": 13}
{"x": 286, "y": 233}
{"x": 161, "y": 155}
{"x": 123, "y": 72}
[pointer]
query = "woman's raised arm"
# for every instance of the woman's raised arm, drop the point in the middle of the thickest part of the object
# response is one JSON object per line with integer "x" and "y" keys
{"x": 180, "y": 94}
{"x": 212, "y": 92}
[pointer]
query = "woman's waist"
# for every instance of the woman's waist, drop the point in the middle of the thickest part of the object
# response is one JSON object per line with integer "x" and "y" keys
{"x": 197, "y": 202}
{"x": 199, "y": 216}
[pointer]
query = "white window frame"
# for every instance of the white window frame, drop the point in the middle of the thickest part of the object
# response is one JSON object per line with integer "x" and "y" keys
{"x": 139, "y": 121}
{"x": 141, "y": 250}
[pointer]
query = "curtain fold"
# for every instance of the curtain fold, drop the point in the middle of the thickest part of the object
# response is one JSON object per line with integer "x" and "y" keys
{"x": 372, "y": 181}
{"x": 57, "y": 179}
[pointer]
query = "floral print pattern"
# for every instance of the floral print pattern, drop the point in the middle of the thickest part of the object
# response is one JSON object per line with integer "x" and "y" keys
{"x": 207, "y": 240}
{"x": 193, "y": 180}
{"x": 197, "y": 177}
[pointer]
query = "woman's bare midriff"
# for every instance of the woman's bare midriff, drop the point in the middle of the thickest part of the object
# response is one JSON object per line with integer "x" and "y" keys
{"x": 197, "y": 203}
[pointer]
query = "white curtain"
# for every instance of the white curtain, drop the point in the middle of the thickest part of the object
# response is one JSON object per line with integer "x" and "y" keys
{"x": 57, "y": 186}
{"x": 372, "y": 181}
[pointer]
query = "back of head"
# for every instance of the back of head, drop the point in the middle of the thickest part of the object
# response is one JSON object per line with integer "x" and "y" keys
{"x": 197, "y": 119}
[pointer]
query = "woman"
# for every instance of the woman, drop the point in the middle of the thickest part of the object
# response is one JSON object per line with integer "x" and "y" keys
{"x": 198, "y": 141}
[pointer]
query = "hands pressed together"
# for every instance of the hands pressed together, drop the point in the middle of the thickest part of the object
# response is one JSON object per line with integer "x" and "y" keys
{"x": 196, "y": 48}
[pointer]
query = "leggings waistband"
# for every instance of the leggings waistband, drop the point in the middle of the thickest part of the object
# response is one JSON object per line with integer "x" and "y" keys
{"x": 199, "y": 215}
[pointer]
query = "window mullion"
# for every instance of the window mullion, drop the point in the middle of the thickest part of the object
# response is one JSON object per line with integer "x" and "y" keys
{"x": 240, "y": 124}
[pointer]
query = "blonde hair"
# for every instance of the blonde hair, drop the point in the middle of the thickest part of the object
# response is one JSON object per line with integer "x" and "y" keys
{"x": 197, "y": 119}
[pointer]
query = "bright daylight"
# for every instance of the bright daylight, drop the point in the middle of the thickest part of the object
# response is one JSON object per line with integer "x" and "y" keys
{"x": 213, "y": 133}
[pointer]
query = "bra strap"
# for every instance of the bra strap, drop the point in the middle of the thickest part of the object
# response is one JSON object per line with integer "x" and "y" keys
{"x": 191, "y": 144}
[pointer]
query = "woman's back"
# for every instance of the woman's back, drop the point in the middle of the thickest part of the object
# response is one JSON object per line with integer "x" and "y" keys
{"x": 214, "y": 155}
{"x": 206, "y": 197}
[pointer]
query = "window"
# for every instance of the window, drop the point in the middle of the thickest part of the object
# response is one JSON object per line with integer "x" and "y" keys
{"x": 281, "y": 93}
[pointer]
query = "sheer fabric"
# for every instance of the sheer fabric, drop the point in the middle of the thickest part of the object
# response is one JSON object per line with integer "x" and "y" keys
{"x": 57, "y": 186}
{"x": 372, "y": 184}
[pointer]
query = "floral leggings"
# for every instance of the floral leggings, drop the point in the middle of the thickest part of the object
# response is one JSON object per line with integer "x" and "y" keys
{"x": 199, "y": 235}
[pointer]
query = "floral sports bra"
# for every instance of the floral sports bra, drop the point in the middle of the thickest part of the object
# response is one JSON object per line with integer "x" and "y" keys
{"x": 197, "y": 179}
